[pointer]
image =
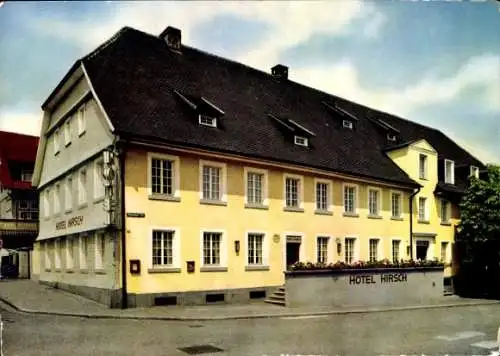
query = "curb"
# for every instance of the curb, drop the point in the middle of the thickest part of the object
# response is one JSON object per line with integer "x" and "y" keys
{"x": 246, "y": 316}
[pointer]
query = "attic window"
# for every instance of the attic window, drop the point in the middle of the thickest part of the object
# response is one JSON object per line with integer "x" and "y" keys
{"x": 301, "y": 141}
{"x": 449, "y": 171}
{"x": 206, "y": 120}
{"x": 347, "y": 124}
{"x": 391, "y": 137}
{"x": 474, "y": 171}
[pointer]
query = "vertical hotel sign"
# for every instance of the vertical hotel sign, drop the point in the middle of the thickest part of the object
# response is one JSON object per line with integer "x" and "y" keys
{"x": 72, "y": 222}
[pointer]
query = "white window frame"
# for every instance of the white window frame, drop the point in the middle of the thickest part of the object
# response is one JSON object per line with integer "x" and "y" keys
{"x": 223, "y": 248}
{"x": 447, "y": 251}
{"x": 99, "y": 188}
{"x": 426, "y": 216}
{"x": 400, "y": 202}
{"x": 300, "y": 141}
{"x": 355, "y": 252}
{"x": 83, "y": 248}
{"x": 82, "y": 186}
{"x": 378, "y": 249}
{"x": 222, "y": 183}
{"x": 449, "y": 170}
{"x": 264, "y": 188}
{"x": 55, "y": 139}
{"x": 82, "y": 117}
{"x": 176, "y": 176}
{"x": 57, "y": 253}
{"x": 300, "y": 193}
{"x": 69, "y": 248}
{"x": 57, "y": 198}
{"x": 347, "y": 124}
{"x": 176, "y": 247}
{"x": 355, "y": 203}
{"x": 400, "y": 243}
{"x": 203, "y": 120}
{"x": 328, "y": 248}
{"x": 391, "y": 137}
{"x": 99, "y": 253}
{"x": 474, "y": 171}
{"x": 422, "y": 170}
{"x": 444, "y": 204}
{"x": 68, "y": 194}
{"x": 265, "y": 248}
{"x": 329, "y": 193}
{"x": 67, "y": 131}
{"x": 378, "y": 202}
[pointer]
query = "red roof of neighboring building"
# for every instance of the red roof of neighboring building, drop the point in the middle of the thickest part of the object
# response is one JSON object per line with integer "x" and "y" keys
{"x": 16, "y": 147}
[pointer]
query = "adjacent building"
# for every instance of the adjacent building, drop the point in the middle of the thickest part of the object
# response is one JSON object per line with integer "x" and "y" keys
{"x": 169, "y": 175}
{"x": 18, "y": 199}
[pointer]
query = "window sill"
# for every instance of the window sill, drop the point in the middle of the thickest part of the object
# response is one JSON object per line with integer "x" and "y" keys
{"x": 83, "y": 206}
{"x": 80, "y": 134}
{"x": 70, "y": 270}
{"x": 57, "y": 270}
{"x": 256, "y": 206}
{"x": 98, "y": 199}
{"x": 84, "y": 271}
{"x": 323, "y": 212}
{"x": 213, "y": 202}
{"x": 350, "y": 215}
{"x": 423, "y": 221}
{"x": 445, "y": 223}
{"x": 57, "y": 152}
{"x": 100, "y": 271}
{"x": 164, "y": 270}
{"x": 374, "y": 217}
{"x": 293, "y": 210}
{"x": 396, "y": 218}
{"x": 48, "y": 270}
{"x": 66, "y": 144}
{"x": 422, "y": 178}
{"x": 257, "y": 268}
{"x": 164, "y": 197}
{"x": 213, "y": 269}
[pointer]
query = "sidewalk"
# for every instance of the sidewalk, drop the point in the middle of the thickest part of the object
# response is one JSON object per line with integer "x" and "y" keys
{"x": 31, "y": 297}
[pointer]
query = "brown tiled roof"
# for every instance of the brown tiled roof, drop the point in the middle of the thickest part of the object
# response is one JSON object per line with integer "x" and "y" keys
{"x": 136, "y": 77}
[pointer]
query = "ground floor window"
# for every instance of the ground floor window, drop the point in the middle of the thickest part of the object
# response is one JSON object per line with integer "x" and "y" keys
{"x": 83, "y": 251}
{"x": 422, "y": 249}
{"x": 444, "y": 251}
{"x": 69, "y": 252}
{"x": 349, "y": 249}
{"x": 211, "y": 248}
{"x": 255, "y": 249}
{"x": 99, "y": 250}
{"x": 322, "y": 249}
{"x": 373, "y": 250}
{"x": 395, "y": 250}
{"x": 163, "y": 254}
{"x": 57, "y": 253}
{"x": 46, "y": 248}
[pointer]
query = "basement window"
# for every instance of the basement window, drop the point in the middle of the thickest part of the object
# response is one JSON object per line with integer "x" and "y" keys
{"x": 206, "y": 120}
{"x": 301, "y": 141}
{"x": 347, "y": 124}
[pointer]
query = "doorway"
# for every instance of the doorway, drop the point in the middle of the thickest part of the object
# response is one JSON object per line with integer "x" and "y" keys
{"x": 422, "y": 249}
{"x": 292, "y": 253}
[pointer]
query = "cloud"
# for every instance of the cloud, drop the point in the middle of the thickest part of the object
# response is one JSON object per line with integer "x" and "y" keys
{"x": 24, "y": 122}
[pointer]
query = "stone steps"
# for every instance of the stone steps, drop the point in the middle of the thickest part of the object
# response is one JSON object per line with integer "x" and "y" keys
{"x": 278, "y": 297}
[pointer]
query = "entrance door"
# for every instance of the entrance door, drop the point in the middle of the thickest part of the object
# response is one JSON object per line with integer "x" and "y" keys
{"x": 422, "y": 249}
{"x": 292, "y": 253}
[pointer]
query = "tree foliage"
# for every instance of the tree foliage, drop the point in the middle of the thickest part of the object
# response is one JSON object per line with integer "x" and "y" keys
{"x": 480, "y": 209}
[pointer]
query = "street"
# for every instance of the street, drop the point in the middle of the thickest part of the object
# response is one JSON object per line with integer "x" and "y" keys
{"x": 444, "y": 331}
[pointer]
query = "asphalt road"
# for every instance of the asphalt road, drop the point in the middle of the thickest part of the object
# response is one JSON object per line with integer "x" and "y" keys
{"x": 453, "y": 331}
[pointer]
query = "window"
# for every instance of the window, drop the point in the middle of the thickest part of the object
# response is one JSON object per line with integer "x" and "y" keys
{"x": 164, "y": 175}
{"x": 82, "y": 187}
{"x": 474, "y": 171}
{"x": 69, "y": 252}
{"x": 391, "y": 137}
{"x": 349, "y": 250}
{"x": 99, "y": 249}
{"x": 99, "y": 189}
{"x": 47, "y": 255}
{"x": 56, "y": 137}
{"x": 347, "y": 124}
{"x": 444, "y": 251}
{"x": 255, "y": 249}
{"x": 422, "y": 247}
{"x": 82, "y": 119}
{"x": 68, "y": 194}
{"x": 373, "y": 202}
{"x": 26, "y": 174}
{"x": 422, "y": 213}
{"x": 444, "y": 211}
{"x": 349, "y": 199}
{"x": 449, "y": 171}
{"x": 373, "y": 245}
{"x": 27, "y": 209}
{"x": 255, "y": 188}
{"x": 212, "y": 248}
{"x": 57, "y": 199}
{"x": 322, "y": 196}
{"x": 292, "y": 192}
{"x": 211, "y": 183}
{"x": 163, "y": 248}
{"x": 206, "y": 120}
{"x": 301, "y": 141}
{"x": 57, "y": 253}
{"x": 83, "y": 251}
{"x": 396, "y": 205}
{"x": 422, "y": 166}
{"x": 67, "y": 132}
{"x": 322, "y": 249}
{"x": 46, "y": 203}
{"x": 395, "y": 250}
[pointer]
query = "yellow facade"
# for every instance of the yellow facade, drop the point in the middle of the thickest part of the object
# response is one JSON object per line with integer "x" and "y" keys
{"x": 189, "y": 217}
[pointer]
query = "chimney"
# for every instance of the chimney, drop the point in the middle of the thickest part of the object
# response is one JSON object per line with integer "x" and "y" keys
{"x": 280, "y": 71}
{"x": 172, "y": 36}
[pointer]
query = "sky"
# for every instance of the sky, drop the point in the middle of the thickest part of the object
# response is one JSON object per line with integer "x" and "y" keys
{"x": 433, "y": 62}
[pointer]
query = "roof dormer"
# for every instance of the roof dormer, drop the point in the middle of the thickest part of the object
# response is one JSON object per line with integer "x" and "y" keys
{"x": 391, "y": 133}
{"x": 348, "y": 119}
{"x": 208, "y": 114}
{"x": 291, "y": 128}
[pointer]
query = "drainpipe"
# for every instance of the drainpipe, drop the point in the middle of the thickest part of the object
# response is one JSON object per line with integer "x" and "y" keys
{"x": 124, "y": 302}
{"x": 412, "y": 195}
